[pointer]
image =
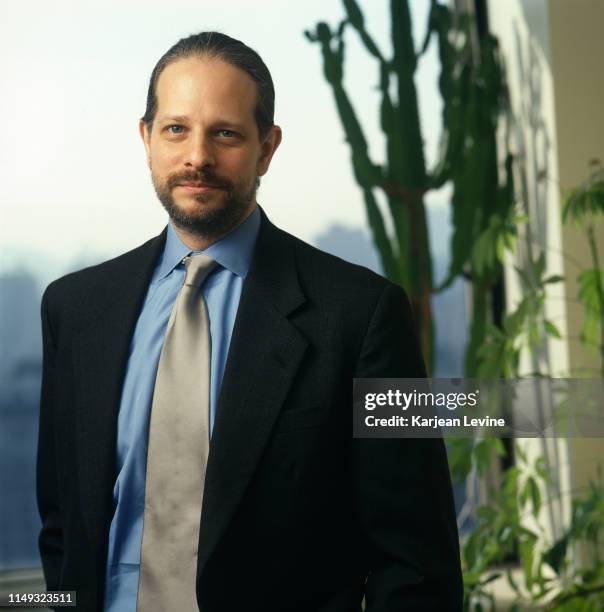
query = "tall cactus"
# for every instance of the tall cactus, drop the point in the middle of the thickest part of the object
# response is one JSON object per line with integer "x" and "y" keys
{"x": 472, "y": 92}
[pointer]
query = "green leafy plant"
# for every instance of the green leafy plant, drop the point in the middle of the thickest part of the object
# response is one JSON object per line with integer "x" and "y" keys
{"x": 526, "y": 328}
{"x": 551, "y": 577}
{"x": 583, "y": 206}
{"x": 501, "y": 532}
{"x": 584, "y": 586}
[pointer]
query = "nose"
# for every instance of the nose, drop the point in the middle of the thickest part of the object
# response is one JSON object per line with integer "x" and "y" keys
{"x": 199, "y": 153}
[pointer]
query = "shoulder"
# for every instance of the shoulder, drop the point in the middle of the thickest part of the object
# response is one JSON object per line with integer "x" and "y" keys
{"x": 331, "y": 275}
{"x": 371, "y": 312}
{"x": 346, "y": 296}
{"x": 95, "y": 284}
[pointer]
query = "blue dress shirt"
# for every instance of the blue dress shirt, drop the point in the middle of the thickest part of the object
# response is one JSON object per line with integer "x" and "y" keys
{"x": 222, "y": 292}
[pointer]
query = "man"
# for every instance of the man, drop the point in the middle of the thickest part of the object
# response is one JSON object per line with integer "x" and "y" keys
{"x": 195, "y": 446}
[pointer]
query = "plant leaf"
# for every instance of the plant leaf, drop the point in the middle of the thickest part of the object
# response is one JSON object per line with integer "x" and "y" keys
{"x": 551, "y": 329}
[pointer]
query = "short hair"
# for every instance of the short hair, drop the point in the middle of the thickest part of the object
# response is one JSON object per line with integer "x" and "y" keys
{"x": 229, "y": 50}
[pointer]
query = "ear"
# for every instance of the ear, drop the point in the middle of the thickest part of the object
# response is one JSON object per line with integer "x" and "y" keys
{"x": 146, "y": 138}
{"x": 268, "y": 147}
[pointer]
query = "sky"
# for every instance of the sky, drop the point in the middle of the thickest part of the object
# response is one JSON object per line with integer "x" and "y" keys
{"x": 75, "y": 185}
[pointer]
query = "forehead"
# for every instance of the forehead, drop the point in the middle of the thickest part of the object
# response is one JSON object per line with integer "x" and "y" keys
{"x": 195, "y": 85}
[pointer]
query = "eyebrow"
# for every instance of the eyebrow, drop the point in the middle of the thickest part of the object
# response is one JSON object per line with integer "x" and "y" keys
{"x": 184, "y": 119}
{"x": 174, "y": 118}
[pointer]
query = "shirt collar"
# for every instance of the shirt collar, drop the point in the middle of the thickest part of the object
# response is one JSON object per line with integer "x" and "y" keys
{"x": 233, "y": 251}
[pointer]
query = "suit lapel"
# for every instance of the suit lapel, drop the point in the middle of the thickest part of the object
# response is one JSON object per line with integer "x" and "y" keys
{"x": 264, "y": 355}
{"x": 100, "y": 356}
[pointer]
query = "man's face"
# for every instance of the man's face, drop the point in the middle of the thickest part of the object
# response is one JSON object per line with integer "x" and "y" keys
{"x": 204, "y": 149}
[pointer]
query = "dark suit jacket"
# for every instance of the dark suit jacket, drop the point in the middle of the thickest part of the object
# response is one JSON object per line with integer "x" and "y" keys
{"x": 297, "y": 515}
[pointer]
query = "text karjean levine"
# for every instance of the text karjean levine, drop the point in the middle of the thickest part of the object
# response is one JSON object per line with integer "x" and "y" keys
{"x": 433, "y": 422}
{"x": 510, "y": 408}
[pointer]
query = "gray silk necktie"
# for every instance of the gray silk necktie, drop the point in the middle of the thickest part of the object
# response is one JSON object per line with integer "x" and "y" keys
{"x": 177, "y": 454}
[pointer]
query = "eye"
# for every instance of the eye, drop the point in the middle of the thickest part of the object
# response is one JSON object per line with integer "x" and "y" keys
{"x": 175, "y": 129}
{"x": 226, "y": 133}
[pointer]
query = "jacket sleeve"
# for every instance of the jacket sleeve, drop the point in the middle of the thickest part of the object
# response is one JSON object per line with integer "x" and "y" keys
{"x": 50, "y": 540}
{"x": 403, "y": 494}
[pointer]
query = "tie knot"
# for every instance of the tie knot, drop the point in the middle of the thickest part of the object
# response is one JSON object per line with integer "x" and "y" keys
{"x": 198, "y": 267}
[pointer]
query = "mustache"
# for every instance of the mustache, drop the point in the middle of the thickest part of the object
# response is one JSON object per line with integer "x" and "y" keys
{"x": 207, "y": 178}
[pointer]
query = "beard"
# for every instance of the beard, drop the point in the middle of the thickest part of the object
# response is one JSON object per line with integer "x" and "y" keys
{"x": 213, "y": 223}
